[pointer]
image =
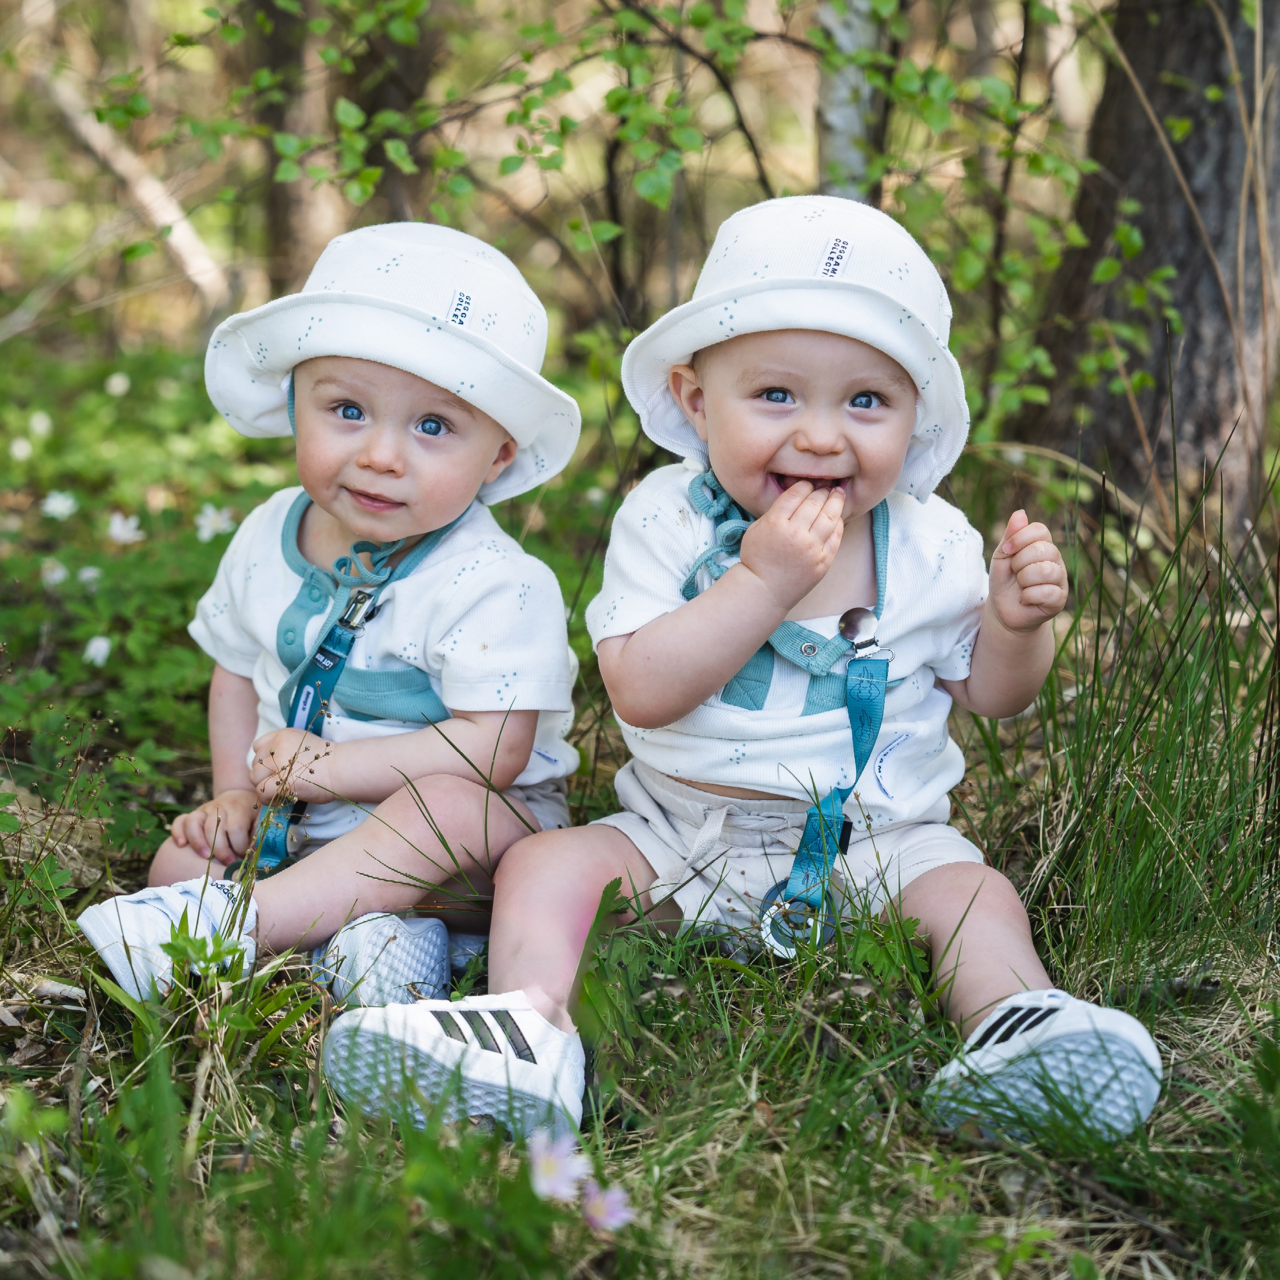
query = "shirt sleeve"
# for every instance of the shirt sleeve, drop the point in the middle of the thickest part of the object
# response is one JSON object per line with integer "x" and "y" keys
{"x": 653, "y": 544}
{"x": 218, "y": 626}
{"x": 500, "y": 637}
{"x": 970, "y": 583}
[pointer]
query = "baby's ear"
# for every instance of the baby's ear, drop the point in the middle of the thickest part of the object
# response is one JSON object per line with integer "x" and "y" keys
{"x": 686, "y": 390}
{"x": 505, "y": 456}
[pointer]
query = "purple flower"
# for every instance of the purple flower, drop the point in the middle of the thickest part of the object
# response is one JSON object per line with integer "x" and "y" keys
{"x": 556, "y": 1167}
{"x": 606, "y": 1209}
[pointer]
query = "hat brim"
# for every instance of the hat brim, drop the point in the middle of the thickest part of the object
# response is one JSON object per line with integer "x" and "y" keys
{"x": 828, "y": 306}
{"x": 251, "y": 353}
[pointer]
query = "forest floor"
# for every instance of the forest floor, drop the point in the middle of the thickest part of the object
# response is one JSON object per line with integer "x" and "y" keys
{"x": 764, "y": 1117}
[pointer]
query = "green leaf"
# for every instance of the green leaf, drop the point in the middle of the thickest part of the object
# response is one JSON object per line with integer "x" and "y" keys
{"x": 402, "y": 31}
{"x": 655, "y": 186}
{"x": 1105, "y": 270}
{"x": 937, "y": 115}
{"x": 139, "y": 249}
{"x": 1178, "y": 127}
{"x": 605, "y": 231}
{"x": 687, "y": 138}
{"x": 287, "y": 144}
{"x": 231, "y": 33}
{"x": 287, "y": 171}
{"x": 397, "y": 151}
{"x": 348, "y": 115}
{"x": 969, "y": 270}
{"x": 1129, "y": 238}
{"x": 459, "y": 186}
{"x": 509, "y": 164}
{"x": 10, "y": 822}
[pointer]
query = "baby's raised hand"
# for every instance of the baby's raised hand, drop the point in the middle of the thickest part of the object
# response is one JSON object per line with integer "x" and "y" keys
{"x": 289, "y": 762}
{"x": 1028, "y": 577}
{"x": 791, "y": 547}
{"x": 221, "y": 828}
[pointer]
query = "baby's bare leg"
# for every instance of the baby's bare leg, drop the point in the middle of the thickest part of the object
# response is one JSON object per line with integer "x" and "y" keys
{"x": 390, "y": 861}
{"x": 980, "y": 937}
{"x": 546, "y": 893}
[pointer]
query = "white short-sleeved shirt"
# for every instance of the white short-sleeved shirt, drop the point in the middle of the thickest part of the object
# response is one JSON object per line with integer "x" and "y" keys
{"x": 477, "y": 625}
{"x": 795, "y": 744}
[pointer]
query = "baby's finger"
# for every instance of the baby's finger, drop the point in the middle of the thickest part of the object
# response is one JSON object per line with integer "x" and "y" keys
{"x": 1025, "y": 537}
{"x": 812, "y": 509}
{"x": 785, "y": 504}
{"x": 1048, "y": 596}
{"x": 1036, "y": 553}
{"x": 1017, "y": 522}
{"x": 178, "y": 831}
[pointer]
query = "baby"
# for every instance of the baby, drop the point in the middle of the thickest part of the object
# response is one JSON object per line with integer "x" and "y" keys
{"x": 784, "y": 625}
{"x": 402, "y": 714}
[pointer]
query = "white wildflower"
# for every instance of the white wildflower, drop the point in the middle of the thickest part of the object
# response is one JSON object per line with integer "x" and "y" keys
{"x": 59, "y": 505}
{"x": 98, "y": 650}
{"x": 124, "y": 529}
{"x": 40, "y": 424}
{"x": 89, "y": 576}
{"x": 211, "y": 521}
{"x": 596, "y": 495}
{"x": 53, "y": 572}
{"x": 606, "y": 1209}
{"x": 117, "y": 384}
{"x": 555, "y": 1166}
{"x": 20, "y": 449}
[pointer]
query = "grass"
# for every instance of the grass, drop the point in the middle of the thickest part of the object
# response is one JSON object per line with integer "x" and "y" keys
{"x": 763, "y": 1116}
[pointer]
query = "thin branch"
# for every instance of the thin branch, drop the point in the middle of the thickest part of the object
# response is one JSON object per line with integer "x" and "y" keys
{"x": 675, "y": 39}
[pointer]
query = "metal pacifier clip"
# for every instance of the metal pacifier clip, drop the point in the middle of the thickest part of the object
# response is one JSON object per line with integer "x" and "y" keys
{"x": 802, "y": 906}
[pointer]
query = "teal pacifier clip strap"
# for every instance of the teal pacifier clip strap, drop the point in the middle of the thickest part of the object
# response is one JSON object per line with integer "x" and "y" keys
{"x": 824, "y": 824}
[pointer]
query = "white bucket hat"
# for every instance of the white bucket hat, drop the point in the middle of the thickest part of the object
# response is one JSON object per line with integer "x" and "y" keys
{"x": 813, "y": 262}
{"x": 426, "y": 299}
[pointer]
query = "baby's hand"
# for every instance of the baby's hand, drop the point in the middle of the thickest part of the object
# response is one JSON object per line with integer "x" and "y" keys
{"x": 791, "y": 547}
{"x": 1028, "y": 577}
{"x": 289, "y": 762}
{"x": 221, "y": 828}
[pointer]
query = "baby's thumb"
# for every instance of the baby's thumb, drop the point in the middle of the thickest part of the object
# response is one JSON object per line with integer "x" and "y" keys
{"x": 1017, "y": 522}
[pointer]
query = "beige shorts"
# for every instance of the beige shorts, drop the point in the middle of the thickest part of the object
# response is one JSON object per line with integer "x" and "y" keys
{"x": 548, "y": 802}
{"x": 718, "y": 857}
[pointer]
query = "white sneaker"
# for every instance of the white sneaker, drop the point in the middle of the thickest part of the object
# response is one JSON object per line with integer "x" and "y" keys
{"x": 128, "y": 932}
{"x": 482, "y": 1056}
{"x": 381, "y": 959}
{"x": 1044, "y": 1055}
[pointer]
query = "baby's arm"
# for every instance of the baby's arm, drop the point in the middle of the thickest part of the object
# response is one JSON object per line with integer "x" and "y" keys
{"x": 222, "y": 827}
{"x": 368, "y": 770}
{"x": 660, "y": 673}
{"x": 1014, "y": 649}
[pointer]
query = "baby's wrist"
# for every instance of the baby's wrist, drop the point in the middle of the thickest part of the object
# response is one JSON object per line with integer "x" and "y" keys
{"x": 761, "y": 594}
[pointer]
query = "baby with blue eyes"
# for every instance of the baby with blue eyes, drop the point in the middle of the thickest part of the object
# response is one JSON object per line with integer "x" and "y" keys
{"x": 407, "y": 368}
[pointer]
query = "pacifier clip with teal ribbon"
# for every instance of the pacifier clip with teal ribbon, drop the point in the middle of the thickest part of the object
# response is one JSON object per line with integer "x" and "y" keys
{"x": 801, "y": 906}
{"x": 311, "y": 687}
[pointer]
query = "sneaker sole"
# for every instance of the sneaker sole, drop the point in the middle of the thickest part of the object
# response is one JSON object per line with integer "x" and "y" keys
{"x": 408, "y": 952}
{"x": 380, "y": 1072}
{"x": 1105, "y": 1078}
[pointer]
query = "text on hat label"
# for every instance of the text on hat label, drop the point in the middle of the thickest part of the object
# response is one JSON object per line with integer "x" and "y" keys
{"x": 460, "y": 308}
{"x": 835, "y": 257}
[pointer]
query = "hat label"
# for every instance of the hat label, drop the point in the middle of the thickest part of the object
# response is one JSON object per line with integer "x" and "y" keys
{"x": 460, "y": 308}
{"x": 835, "y": 257}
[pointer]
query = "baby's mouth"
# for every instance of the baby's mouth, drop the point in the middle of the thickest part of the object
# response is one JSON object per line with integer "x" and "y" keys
{"x": 818, "y": 482}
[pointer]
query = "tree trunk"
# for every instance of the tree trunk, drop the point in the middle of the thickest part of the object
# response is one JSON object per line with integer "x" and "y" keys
{"x": 850, "y": 112}
{"x": 301, "y": 217}
{"x": 1177, "y": 51}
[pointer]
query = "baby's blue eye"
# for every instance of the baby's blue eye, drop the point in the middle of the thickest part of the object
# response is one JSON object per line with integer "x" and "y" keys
{"x": 352, "y": 413}
{"x": 865, "y": 400}
{"x": 777, "y": 395}
{"x": 432, "y": 427}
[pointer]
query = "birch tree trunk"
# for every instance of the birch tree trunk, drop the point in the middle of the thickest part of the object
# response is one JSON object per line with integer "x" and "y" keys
{"x": 850, "y": 112}
{"x": 1225, "y": 285}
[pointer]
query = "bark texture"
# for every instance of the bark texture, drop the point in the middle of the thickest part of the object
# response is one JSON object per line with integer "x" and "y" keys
{"x": 850, "y": 112}
{"x": 1176, "y": 49}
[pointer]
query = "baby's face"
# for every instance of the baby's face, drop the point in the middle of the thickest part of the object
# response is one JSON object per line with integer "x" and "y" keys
{"x": 795, "y": 404}
{"x": 388, "y": 454}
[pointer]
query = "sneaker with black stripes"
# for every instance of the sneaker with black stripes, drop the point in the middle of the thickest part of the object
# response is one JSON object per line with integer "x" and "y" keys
{"x": 489, "y": 1055}
{"x": 1044, "y": 1058}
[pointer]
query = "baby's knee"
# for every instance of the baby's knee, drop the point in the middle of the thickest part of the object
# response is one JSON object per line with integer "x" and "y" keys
{"x": 526, "y": 855}
{"x": 174, "y": 863}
